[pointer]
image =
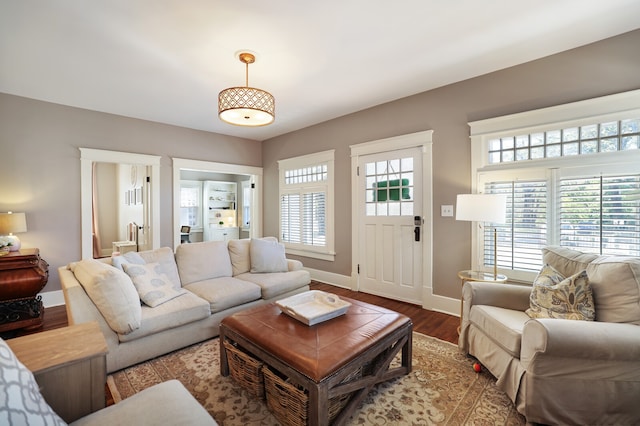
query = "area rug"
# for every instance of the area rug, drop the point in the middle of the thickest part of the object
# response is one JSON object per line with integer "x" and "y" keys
{"x": 441, "y": 389}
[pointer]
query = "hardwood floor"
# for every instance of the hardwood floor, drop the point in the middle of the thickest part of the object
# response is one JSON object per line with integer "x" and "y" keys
{"x": 436, "y": 324}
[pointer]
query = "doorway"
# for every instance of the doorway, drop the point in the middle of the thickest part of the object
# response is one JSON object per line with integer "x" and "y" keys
{"x": 392, "y": 217}
{"x": 140, "y": 175}
{"x": 247, "y": 222}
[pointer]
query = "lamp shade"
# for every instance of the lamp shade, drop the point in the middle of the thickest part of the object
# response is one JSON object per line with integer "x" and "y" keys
{"x": 246, "y": 106}
{"x": 12, "y": 223}
{"x": 482, "y": 207}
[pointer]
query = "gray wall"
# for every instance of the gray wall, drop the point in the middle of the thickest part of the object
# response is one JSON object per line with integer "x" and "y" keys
{"x": 603, "y": 68}
{"x": 40, "y": 167}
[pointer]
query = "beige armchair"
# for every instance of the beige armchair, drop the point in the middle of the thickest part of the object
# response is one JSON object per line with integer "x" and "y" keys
{"x": 562, "y": 371}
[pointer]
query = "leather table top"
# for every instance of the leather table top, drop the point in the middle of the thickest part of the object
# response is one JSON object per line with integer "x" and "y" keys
{"x": 319, "y": 350}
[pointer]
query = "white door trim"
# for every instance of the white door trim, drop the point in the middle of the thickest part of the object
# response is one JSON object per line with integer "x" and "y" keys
{"x": 423, "y": 140}
{"x": 87, "y": 157}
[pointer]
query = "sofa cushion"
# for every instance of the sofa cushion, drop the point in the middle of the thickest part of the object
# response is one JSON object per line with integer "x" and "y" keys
{"x": 225, "y": 292}
{"x": 152, "y": 284}
{"x": 277, "y": 283}
{"x": 566, "y": 261}
{"x": 21, "y": 402}
{"x": 203, "y": 261}
{"x": 267, "y": 256}
{"x": 113, "y": 293}
{"x": 554, "y": 296}
{"x": 239, "y": 254}
{"x": 616, "y": 288}
{"x": 503, "y": 326}
{"x": 174, "y": 313}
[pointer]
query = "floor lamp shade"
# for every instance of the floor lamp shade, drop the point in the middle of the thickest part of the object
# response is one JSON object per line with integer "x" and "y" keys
{"x": 484, "y": 208}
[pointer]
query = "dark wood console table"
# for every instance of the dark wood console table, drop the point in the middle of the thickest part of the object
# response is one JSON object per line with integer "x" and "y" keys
{"x": 23, "y": 274}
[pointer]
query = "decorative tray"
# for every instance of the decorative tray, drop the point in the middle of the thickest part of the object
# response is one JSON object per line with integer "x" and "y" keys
{"x": 313, "y": 307}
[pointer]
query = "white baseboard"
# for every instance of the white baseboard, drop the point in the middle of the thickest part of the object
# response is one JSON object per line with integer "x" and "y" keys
{"x": 52, "y": 298}
{"x": 338, "y": 280}
{"x": 446, "y": 305}
{"x": 442, "y": 304}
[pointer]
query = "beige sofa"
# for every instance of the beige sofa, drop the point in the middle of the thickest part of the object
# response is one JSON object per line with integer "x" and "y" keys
{"x": 562, "y": 371}
{"x": 191, "y": 291}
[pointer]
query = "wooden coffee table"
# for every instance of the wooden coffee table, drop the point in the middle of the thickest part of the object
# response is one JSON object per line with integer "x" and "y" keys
{"x": 321, "y": 357}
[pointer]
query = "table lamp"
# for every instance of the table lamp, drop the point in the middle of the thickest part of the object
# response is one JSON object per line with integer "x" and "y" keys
{"x": 483, "y": 208}
{"x": 13, "y": 223}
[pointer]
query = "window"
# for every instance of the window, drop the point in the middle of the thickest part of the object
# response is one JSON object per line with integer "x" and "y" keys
{"x": 190, "y": 203}
{"x": 574, "y": 183}
{"x": 389, "y": 187}
{"x": 306, "y": 205}
{"x": 246, "y": 204}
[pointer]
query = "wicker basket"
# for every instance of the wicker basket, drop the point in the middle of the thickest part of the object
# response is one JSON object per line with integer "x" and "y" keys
{"x": 290, "y": 403}
{"x": 245, "y": 370}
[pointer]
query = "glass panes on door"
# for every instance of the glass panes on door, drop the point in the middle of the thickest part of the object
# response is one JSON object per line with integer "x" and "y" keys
{"x": 389, "y": 187}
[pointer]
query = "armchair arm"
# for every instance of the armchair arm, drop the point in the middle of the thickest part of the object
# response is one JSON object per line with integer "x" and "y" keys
{"x": 583, "y": 340}
{"x": 508, "y": 296}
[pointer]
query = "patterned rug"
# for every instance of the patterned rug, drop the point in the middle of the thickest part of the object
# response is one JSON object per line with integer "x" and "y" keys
{"x": 441, "y": 389}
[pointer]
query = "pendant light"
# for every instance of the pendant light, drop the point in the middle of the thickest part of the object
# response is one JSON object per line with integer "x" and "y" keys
{"x": 246, "y": 106}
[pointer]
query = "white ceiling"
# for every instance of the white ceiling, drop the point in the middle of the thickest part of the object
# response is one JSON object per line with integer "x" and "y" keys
{"x": 166, "y": 60}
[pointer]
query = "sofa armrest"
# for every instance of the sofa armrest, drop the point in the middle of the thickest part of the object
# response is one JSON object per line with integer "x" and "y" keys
{"x": 294, "y": 265}
{"x": 587, "y": 341}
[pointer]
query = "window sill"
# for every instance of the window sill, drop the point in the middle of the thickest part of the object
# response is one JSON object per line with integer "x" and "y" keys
{"x": 312, "y": 254}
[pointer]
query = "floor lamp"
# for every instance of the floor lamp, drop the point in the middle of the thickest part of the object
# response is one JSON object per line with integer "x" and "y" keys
{"x": 483, "y": 208}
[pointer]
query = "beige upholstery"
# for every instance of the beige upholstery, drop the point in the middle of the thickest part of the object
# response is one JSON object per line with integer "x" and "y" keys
{"x": 210, "y": 294}
{"x": 167, "y": 403}
{"x": 560, "y": 371}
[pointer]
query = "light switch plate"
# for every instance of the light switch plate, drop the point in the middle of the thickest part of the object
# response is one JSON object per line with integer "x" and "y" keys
{"x": 446, "y": 211}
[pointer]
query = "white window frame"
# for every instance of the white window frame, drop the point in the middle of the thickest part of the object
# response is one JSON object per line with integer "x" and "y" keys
{"x": 198, "y": 185}
{"x": 608, "y": 108}
{"x": 326, "y": 252}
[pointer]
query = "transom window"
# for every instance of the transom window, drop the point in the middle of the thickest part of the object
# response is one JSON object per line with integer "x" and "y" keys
{"x": 306, "y": 205}
{"x": 570, "y": 183}
{"x": 611, "y": 136}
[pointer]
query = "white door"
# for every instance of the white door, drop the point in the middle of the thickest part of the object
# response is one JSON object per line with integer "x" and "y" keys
{"x": 391, "y": 232}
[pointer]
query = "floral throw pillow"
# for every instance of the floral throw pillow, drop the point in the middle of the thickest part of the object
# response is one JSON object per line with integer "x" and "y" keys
{"x": 153, "y": 285}
{"x": 554, "y": 296}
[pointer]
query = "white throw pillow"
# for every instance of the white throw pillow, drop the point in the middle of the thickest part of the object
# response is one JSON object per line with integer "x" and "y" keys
{"x": 153, "y": 285}
{"x": 113, "y": 293}
{"x": 21, "y": 402}
{"x": 267, "y": 255}
{"x": 131, "y": 257}
{"x": 166, "y": 258}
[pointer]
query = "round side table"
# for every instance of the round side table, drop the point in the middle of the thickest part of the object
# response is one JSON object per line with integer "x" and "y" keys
{"x": 469, "y": 275}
